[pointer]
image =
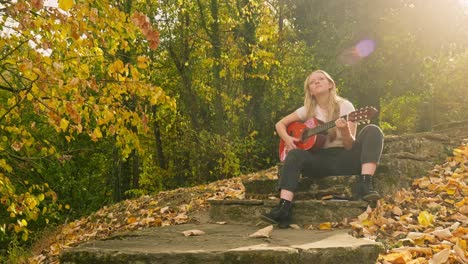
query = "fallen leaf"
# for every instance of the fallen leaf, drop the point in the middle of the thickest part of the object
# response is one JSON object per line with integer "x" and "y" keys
{"x": 415, "y": 235}
{"x": 460, "y": 253}
{"x": 397, "y": 211}
{"x": 463, "y": 209}
{"x": 423, "y": 250}
{"x": 325, "y": 226}
{"x": 131, "y": 220}
{"x": 425, "y": 218}
{"x": 263, "y": 233}
{"x": 193, "y": 232}
{"x": 164, "y": 210}
{"x": 443, "y": 234}
{"x": 402, "y": 257}
{"x": 454, "y": 226}
{"x": 440, "y": 257}
{"x": 294, "y": 226}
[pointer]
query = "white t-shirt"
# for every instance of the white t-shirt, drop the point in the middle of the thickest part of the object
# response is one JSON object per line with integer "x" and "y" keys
{"x": 346, "y": 107}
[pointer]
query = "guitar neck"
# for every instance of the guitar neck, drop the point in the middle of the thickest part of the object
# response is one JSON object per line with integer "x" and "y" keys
{"x": 321, "y": 128}
{"x": 360, "y": 115}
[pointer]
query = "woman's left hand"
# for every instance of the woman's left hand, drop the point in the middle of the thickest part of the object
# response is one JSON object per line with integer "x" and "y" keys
{"x": 341, "y": 123}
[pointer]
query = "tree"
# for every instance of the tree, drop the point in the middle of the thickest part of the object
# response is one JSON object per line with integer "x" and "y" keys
{"x": 62, "y": 82}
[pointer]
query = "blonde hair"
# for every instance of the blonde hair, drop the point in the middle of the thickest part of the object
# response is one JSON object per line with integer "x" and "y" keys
{"x": 333, "y": 106}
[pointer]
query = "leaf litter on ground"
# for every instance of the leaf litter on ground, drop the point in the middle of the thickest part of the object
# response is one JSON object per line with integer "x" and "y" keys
{"x": 424, "y": 224}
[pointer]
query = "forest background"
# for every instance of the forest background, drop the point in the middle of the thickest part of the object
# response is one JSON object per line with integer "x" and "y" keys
{"x": 107, "y": 100}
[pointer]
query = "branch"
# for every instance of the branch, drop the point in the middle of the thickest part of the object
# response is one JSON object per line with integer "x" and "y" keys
{"x": 2, "y": 87}
{"x": 13, "y": 50}
{"x": 17, "y": 103}
{"x": 202, "y": 18}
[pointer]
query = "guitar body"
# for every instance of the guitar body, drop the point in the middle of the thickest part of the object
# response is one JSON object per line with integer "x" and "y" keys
{"x": 296, "y": 129}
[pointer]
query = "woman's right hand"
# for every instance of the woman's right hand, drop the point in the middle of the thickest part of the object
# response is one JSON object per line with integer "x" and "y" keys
{"x": 289, "y": 142}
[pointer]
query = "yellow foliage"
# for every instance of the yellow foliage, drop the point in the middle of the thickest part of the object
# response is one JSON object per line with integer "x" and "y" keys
{"x": 425, "y": 219}
{"x": 64, "y": 124}
{"x": 65, "y": 4}
{"x": 325, "y": 226}
{"x": 142, "y": 62}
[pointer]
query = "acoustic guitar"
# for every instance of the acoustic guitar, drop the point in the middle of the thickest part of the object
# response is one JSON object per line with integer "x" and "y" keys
{"x": 312, "y": 133}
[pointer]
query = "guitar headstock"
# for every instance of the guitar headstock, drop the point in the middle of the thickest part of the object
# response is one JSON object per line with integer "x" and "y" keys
{"x": 363, "y": 115}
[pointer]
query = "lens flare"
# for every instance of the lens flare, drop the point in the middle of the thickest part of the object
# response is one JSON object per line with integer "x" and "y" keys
{"x": 365, "y": 47}
{"x": 359, "y": 51}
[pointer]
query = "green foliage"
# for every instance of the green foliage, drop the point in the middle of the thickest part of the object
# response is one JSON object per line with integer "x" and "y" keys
{"x": 400, "y": 114}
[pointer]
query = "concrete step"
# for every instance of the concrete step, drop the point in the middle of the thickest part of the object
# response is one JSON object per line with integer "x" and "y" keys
{"x": 225, "y": 244}
{"x": 305, "y": 212}
{"x": 309, "y": 188}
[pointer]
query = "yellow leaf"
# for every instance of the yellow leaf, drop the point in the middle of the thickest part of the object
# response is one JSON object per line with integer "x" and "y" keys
{"x": 96, "y": 134}
{"x": 425, "y": 218}
{"x": 451, "y": 191}
{"x": 4, "y": 165}
{"x": 108, "y": 116}
{"x": 325, "y": 226}
{"x": 65, "y": 4}
{"x": 84, "y": 71}
{"x": 32, "y": 203}
{"x": 398, "y": 258}
{"x": 142, "y": 62}
{"x": 118, "y": 66}
{"x": 64, "y": 124}
{"x": 462, "y": 202}
{"x": 24, "y": 236}
{"x": 131, "y": 220}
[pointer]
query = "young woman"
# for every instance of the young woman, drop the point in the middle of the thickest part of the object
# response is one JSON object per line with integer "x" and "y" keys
{"x": 342, "y": 153}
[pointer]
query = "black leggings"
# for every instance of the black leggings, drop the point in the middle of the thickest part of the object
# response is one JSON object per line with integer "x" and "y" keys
{"x": 332, "y": 161}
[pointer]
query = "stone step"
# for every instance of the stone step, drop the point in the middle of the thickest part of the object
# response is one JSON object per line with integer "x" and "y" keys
{"x": 305, "y": 212}
{"x": 309, "y": 188}
{"x": 229, "y": 244}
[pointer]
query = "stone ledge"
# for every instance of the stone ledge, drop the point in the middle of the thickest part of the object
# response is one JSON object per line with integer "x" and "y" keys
{"x": 228, "y": 202}
{"x": 305, "y": 212}
{"x": 226, "y": 244}
{"x": 309, "y": 188}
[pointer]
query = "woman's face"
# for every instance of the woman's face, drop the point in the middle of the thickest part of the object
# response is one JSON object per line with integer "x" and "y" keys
{"x": 319, "y": 84}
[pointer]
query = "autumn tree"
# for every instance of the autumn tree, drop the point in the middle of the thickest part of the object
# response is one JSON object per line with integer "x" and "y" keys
{"x": 64, "y": 91}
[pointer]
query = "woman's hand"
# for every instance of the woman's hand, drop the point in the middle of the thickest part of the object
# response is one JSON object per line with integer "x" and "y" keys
{"x": 341, "y": 124}
{"x": 347, "y": 131}
{"x": 283, "y": 133}
{"x": 289, "y": 142}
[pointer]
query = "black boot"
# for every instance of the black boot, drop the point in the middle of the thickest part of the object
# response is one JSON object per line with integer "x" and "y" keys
{"x": 366, "y": 188}
{"x": 281, "y": 214}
